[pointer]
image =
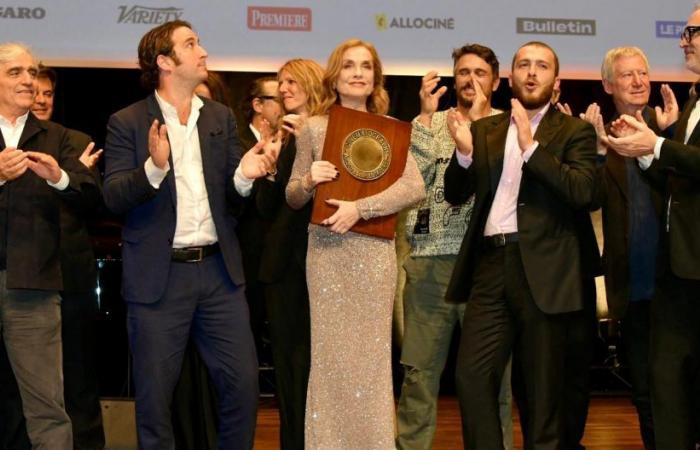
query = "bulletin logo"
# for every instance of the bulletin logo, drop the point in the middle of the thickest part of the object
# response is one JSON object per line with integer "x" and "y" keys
{"x": 541, "y": 25}
{"x": 669, "y": 29}
{"x": 22, "y": 12}
{"x": 273, "y": 18}
{"x": 149, "y": 16}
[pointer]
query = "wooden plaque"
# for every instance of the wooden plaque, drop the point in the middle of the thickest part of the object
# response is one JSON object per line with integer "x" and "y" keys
{"x": 370, "y": 153}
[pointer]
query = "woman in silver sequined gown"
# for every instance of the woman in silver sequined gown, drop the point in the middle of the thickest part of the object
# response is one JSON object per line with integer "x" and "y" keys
{"x": 351, "y": 277}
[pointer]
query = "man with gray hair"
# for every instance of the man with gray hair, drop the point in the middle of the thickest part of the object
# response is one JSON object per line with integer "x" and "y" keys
{"x": 38, "y": 169}
{"x": 631, "y": 207}
{"x": 675, "y": 322}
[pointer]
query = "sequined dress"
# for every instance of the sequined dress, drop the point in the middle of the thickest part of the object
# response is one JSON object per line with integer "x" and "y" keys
{"x": 351, "y": 280}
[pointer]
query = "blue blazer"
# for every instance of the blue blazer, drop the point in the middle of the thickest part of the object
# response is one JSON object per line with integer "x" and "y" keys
{"x": 147, "y": 236}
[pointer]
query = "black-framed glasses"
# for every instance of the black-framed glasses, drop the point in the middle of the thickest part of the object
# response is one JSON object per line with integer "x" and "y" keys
{"x": 689, "y": 32}
{"x": 269, "y": 97}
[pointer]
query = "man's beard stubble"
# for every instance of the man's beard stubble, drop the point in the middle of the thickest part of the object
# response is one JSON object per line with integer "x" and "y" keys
{"x": 533, "y": 102}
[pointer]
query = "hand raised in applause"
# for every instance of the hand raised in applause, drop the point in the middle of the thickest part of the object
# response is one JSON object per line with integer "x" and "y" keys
{"x": 429, "y": 100}
{"x": 522, "y": 123}
{"x": 260, "y": 160}
{"x": 595, "y": 118}
{"x": 293, "y": 123}
{"x": 637, "y": 140}
{"x": 669, "y": 114}
{"x": 88, "y": 158}
{"x": 480, "y": 104}
{"x": 13, "y": 163}
{"x": 158, "y": 144}
{"x": 44, "y": 165}
{"x": 460, "y": 132}
{"x": 564, "y": 108}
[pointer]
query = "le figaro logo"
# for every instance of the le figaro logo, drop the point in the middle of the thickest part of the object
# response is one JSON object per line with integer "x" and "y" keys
{"x": 146, "y": 15}
{"x": 384, "y": 23}
{"x": 669, "y": 29}
{"x": 22, "y": 12}
{"x": 275, "y": 18}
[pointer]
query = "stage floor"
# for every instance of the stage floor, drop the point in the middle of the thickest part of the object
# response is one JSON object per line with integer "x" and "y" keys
{"x": 612, "y": 425}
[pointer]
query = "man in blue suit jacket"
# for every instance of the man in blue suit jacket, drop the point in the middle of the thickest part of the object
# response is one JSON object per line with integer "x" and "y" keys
{"x": 174, "y": 167}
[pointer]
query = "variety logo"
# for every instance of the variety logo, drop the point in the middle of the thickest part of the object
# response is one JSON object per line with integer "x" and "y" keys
{"x": 21, "y": 12}
{"x": 146, "y": 15}
{"x": 669, "y": 29}
{"x": 533, "y": 25}
{"x": 383, "y": 23}
{"x": 279, "y": 18}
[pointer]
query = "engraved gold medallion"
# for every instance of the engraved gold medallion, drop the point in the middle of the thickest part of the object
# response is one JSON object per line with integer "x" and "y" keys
{"x": 366, "y": 154}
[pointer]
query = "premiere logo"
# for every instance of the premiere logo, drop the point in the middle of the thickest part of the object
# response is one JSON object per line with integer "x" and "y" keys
{"x": 383, "y": 23}
{"x": 279, "y": 18}
{"x": 669, "y": 29}
{"x": 21, "y": 12}
{"x": 577, "y": 27}
{"x": 150, "y": 16}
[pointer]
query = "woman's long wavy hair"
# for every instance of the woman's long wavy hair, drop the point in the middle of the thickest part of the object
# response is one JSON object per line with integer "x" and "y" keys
{"x": 378, "y": 100}
{"x": 309, "y": 75}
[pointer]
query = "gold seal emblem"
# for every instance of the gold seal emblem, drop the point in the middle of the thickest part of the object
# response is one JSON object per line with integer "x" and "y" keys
{"x": 366, "y": 154}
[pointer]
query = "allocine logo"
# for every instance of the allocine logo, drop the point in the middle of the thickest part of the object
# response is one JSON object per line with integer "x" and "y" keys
{"x": 383, "y": 23}
{"x": 279, "y": 18}
{"x": 541, "y": 25}
{"x": 147, "y": 15}
{"x": 22, "y": 12}
{"x": 669, "y": 29}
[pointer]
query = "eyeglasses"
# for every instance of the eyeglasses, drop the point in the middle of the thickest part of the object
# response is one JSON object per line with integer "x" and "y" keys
{"x": 269, "y": 97}
{"x": 689, "y": 32}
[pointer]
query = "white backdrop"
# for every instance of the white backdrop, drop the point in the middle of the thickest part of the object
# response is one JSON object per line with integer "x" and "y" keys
{"x": 412, "y": 36}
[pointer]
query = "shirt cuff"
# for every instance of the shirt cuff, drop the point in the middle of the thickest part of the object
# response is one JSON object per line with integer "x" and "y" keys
{"x": 528, "y": 153}
{"x": 645, "y": 161}
{"x": 462, "y": 160}
{"x": 657, "y": 147}
{"x": 155, "y": 174}
{"x": 242, "y": 183}
{"x": 62, "y": 183}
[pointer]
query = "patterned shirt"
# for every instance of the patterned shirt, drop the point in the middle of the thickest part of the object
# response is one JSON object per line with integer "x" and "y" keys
{"x": 435, "y": 227}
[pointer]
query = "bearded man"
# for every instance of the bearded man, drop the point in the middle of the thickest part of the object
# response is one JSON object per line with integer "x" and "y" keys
{"x": 532, "y": 170}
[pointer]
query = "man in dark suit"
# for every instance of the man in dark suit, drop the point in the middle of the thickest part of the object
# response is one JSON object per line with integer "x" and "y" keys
{"x": 174, "y": 167}
{"x": 78, "y": 307}
{"x": 38, "y": 171}
{"x": 532, "y": 170}
{"x": 675, "y": 308}
{"x": 631, "y": 205}
{"x": 260, "y": 107}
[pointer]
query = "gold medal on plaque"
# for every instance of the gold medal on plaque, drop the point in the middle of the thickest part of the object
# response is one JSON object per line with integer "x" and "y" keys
{"x": 366, "y": 154}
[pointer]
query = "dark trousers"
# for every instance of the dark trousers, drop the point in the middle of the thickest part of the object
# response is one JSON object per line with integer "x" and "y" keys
{"x": 290, "y": 334}
{"x": 501, "y": 317}
{"x": 581, "y": 334}
{"x": 199, "y": 297}
{"x": 675, "y": 362}
{"x": 635, "y": 343}
{"x": 81, "y": 391}
{"x": 194, "y": 410}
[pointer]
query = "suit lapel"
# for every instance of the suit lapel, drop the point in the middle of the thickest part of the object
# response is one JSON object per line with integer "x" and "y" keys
{"x": 683, "y": 120}
{"x": 154, "y": 113}
{"x": 549, "y": 126}
{"x": 495, "y": 147}
{"x": 31, "y": 128}
{"x": 206, "y": 127}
